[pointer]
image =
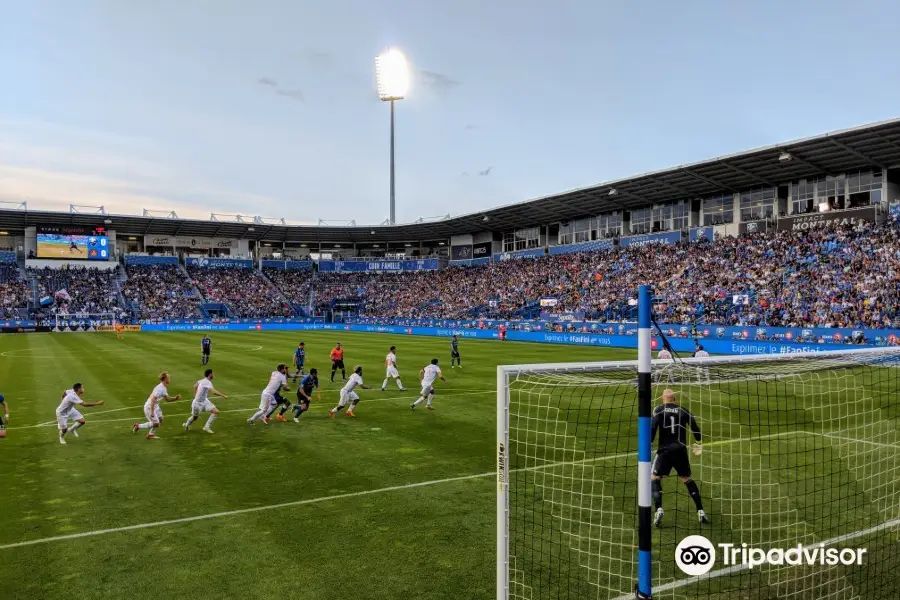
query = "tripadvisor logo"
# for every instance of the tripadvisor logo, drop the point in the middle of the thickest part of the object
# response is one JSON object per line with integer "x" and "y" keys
{"x": 695, "y": 555}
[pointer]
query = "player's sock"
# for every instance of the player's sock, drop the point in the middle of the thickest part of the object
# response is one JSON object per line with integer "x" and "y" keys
{"x": 656, "y": 486}
{"x": 271, "y": 411}
{"x": 694, "y": 491}
{"x": 209, "y": 421}
{"x": 332, "y": 375}
{"x": 343, "y": 375}
{"x": 430, "y": 399}
{"x": 298, "y": 410}
{"x": 399, "y": 384}
{"x": 256, "y": 415}
{"x": 74, "y": 427}
{"x": 384, "y": 385}
{"x": 419, "y": 401}
{"x": 152, "y": 429}
{"x": 145, "y": 426}
{"x": 190, "y": 421}
{"x": 284, "y": 409}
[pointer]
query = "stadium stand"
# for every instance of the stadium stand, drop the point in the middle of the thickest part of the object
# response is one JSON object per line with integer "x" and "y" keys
{"x": 244, "y": 291}
{"x": 159, "y": 292}
{"x": 78, "y": 290}
{"x": 835, "y": 276}
{"x": 295, "y": 285}
{"x": 13, "y": 292}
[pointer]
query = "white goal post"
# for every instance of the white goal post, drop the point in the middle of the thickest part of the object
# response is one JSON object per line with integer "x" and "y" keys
{"x": 102, "y": 321}
{"x": 796, "y": 449}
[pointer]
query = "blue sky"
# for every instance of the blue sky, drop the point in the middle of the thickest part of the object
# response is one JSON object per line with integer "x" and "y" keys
{"x": 268, "y": 107}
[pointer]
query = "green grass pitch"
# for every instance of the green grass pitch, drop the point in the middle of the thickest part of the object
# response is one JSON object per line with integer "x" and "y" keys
{"x": 341, "y": 538}
{"x": 400, "y": 504}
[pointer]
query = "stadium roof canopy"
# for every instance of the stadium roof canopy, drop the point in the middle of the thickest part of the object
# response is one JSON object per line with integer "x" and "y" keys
{"x": 870, "y": 146}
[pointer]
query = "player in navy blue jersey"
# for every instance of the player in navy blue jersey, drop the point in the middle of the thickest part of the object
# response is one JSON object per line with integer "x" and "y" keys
{"x": 455, "y": 360}
{"x": 304, "y": 393}
{"x": 672, "y": 422}
{"x": 299, "y": 360}
{"x": 205, "y": 348}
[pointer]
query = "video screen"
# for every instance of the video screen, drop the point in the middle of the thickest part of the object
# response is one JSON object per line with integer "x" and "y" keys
{"x": 72, "y": 243}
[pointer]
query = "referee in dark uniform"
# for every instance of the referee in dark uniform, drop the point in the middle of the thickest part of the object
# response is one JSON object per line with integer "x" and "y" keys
{"x": 672, "y": 422}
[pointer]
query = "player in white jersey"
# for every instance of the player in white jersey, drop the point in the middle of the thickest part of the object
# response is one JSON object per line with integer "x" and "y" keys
{"x": 702, "y": 372}
{"x": 277, "y": 383}
{"x": 390, "y": 363}
{"x": 348, "y": 395}
{"x": 67, "y": 410}
{"x": 153, "y": 410}
{"x": 201, "y": 403}
{"x": 664, "y": 354}
{"x": 427, "y": 377}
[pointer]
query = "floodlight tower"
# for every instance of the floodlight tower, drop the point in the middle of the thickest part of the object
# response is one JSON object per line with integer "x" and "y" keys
{"x": 392, "y": 82}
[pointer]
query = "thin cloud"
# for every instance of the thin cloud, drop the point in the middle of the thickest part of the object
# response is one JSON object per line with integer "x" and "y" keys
{"x": 486, "y": 172}
{"x": 471, "y": 127}
{"x": 292, "y": 94}
{"x": 267, "y": 81}
{"x": 437, "y": 81}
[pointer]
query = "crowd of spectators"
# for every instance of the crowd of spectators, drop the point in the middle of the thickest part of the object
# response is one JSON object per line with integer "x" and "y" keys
{"x": 839, "y": 275}
{"x": 77, "y": 290}
{"x": 245, "y": 292}
{"x": 13, "y": 292}
{"x": 295, "y": 285}
{"x": 159, "y": 292}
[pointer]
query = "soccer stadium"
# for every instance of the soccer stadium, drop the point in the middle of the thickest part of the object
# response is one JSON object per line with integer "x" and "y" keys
{"x": 507, "y": 451}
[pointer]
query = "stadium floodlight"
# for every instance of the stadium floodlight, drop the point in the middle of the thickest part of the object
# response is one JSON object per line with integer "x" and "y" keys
{"x": 613, "y": 192}
{"x": 824, "y": 207}
{"x": 392, "y": 83}
{"x": 784, "y": 157}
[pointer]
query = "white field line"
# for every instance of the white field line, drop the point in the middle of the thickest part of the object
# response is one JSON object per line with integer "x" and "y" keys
{"x": 743, "y": 567}
{"x": 88, "y": 413}
{"x": 394, "y": 488}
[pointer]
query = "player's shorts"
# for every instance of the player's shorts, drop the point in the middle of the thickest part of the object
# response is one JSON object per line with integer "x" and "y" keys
{"x": 299, "y": 363}
{"x": 678, "y": 459}
{"x": 337, "y": 364}
{"x": 62, "y": 419}
{"x": 206, "y": 351}
{"x": 392, "y": 372}
{"x": 199, "y": 407}
{"x": 155, "y": 416}
{"x": 427, "y": 390}
{"x": 266, "y": 400}
{"x": 302, "y": 399}
{"x": 454, "y": 354}
{"x": 345, "y": 396}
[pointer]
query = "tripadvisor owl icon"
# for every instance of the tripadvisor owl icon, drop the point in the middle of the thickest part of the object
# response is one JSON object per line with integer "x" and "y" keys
{"x": 695, "y": 555}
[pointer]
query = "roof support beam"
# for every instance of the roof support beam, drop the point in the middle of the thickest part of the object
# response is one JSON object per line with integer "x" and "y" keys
{"x": 868, "y": 159}
{"x": 677, "y": 188}
{"x": 705, "y": 179}
{"x": 749, "y": 174}
{"x": 803, "y": 161}
{"x": 891, "y": 143}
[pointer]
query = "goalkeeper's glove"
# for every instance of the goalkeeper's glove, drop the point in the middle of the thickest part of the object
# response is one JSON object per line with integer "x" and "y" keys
{"x": 698, "y": 449}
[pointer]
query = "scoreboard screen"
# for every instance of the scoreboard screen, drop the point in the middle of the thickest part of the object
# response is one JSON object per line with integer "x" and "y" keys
{"x": 78, "y": 243}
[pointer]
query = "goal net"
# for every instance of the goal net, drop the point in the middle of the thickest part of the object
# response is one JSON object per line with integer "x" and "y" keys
{"x": 796, "y": 450}
{"x": 105, "y": 321}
